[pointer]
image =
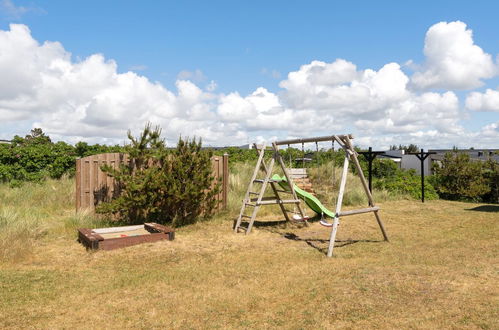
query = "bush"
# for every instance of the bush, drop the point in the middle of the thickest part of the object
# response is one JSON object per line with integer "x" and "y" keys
{"x": 35, "y": 158}
{"x": 491, "y": 174}
{"x": 459, "y": 177}
{"x": 406, "y": 182}
{"x": 385, "y": 168}
{"x": 161, "y": 185}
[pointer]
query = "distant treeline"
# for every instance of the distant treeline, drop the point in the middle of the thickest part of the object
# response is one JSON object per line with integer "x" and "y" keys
{"x": 35, "y": 157}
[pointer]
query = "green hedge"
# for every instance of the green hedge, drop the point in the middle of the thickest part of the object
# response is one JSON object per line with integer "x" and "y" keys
{"x": 458, "y": 177}
{"x": 35, "y": 157}
{"x": 406, "y": 182}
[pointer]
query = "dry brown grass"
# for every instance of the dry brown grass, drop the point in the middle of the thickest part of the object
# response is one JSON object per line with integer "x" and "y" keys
{"x": 440, "y": 270}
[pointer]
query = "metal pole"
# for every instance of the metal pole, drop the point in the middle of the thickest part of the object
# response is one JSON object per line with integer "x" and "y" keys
{"x": 422, "y": 175}
{"x": 370, "y": 155}
{"x": 422, "y": 156}
{"x": 370, "y": 159}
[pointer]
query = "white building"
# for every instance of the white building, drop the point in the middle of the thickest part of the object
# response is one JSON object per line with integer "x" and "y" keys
{"x": 406, "y": 161}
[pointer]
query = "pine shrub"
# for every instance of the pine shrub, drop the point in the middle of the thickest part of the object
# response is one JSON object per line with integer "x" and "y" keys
{"x": 160, "y": 185}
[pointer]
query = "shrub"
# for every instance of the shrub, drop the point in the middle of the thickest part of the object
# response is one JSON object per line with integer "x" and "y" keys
{"x": 491, "y": 174}
{"x": 459, "y": 177}
{"x": 161, "y": 185}
{"x": 35, "y": 158}
{"x": 406, "y": 182}
{"x": 381, "y": 168}
{"x": 384, "y": 168}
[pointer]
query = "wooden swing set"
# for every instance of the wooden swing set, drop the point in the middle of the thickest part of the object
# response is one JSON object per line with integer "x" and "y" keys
{"x": 255, "y": 199}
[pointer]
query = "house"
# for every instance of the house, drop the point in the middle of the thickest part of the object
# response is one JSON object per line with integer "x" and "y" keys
{"x": 475, "y": 154}
{"x": 406, "y": 161}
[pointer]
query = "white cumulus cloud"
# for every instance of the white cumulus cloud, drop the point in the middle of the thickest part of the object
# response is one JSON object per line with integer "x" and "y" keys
{"x": 453, "y": 61}
{"x": 487, "y": 101}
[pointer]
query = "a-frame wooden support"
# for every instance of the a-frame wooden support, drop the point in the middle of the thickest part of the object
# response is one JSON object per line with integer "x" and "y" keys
{"x": 255, "y": 199}
{"x": 350, "y": 156}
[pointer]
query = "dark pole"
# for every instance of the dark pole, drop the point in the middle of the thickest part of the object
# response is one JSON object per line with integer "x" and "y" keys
{"x": 422, "y": 175}
{"x": 371, "y": 170}
{"x": 422, "y": 156}
{"x": 370, "y": 156}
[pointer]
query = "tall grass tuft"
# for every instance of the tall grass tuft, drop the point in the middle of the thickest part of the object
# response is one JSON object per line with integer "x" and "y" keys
{"x": 239, "y": 178}
{"x": 33, "y": 212}
{"x": 18, "y": 233}
{"x": 326, "y": 182}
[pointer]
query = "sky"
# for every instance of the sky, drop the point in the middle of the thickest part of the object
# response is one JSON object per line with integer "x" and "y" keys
{"x": 238, "y": 72}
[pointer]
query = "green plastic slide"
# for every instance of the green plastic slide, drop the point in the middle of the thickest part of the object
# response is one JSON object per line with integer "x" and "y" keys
{"x": 309, "y": 199}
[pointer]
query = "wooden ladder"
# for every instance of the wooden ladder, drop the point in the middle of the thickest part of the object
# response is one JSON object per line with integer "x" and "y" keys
{"x": 254, "y": 199}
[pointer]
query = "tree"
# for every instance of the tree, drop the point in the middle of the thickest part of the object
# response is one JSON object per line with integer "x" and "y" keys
{"x": 37, "y": 137}
{"x": 161, "y": 185}
{"x": 410, "y": 148}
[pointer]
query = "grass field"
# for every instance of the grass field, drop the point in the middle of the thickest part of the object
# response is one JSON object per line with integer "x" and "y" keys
{"x": 440, "y": 270}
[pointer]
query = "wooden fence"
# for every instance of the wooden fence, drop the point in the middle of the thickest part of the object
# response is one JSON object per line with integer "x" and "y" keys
{"x": 94, "y": 186}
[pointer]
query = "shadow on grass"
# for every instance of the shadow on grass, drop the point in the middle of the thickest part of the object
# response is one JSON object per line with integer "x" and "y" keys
{"x": 320, "y": 245}
{"x": 313, "y": 242}
{"x": 485, "y": 208}
{"x": 268, "y": 224}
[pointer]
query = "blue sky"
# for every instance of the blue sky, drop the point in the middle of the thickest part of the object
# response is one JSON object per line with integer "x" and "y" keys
{"x": 232, "y": 48}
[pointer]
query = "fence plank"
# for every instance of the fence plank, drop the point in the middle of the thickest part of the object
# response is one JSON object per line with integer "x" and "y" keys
{"x": 94, "y": 186}
{"x": 225, "y": 178}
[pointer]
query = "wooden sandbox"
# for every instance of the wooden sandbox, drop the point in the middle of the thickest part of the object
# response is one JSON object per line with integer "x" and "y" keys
{"x": 119, "y": 237}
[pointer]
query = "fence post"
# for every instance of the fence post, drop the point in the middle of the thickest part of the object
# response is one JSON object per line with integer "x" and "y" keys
{"x": 225, "y": 178}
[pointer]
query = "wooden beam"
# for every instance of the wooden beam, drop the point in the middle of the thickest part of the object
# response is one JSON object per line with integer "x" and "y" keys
{"x": 313, "y": 139}
{"x": 336, "y": 220}
{"x": 359, "y": 211}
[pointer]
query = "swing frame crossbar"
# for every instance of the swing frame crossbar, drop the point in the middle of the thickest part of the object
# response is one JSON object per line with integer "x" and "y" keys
{"x": 345, "y": 142}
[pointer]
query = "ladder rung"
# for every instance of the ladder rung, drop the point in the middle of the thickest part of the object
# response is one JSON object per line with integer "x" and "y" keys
{"x": 245, "y": 216}
{"x": 268, "y": 198}
{"x": 261, "y": 181}
{"x": 250, "y": 204}
{"x": 279, "y": 201}
{"x": 241, "y": 227}
{"x": 352, "y": 212}
{"x": 253, "y": 193}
